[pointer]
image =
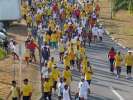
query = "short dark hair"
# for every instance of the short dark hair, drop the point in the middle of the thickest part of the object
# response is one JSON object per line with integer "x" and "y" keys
{"x": 26, "y": 80}
{"x": 13, "y": 82}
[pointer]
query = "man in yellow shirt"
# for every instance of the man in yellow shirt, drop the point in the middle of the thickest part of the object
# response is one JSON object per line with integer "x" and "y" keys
{"x": 88, "y": 74}
{"x": 72, "y": 57}
{"x": 84, "y": 64}
{"x": 14, "y": 92}
{"x": 47, "y": 89}
{"x": 118, "y": 61}
{"x": 129, "y": 64}
{"x": 51, "y": 62}
{"x": 67, "y": 75}
{"x": 55, "y": 76}
{"x": 82, "y": 51}
{"x": 29, "y": 20}
{"x": 61, "y": 50}
{"x": 26, "y": 90}
{"x": 66, "y": 60}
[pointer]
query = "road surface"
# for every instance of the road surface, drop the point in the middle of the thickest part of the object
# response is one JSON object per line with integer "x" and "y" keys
{"x": 104, "y": 86}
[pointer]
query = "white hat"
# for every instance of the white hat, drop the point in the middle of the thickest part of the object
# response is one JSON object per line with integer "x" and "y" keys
{"x": 130, "y": 50}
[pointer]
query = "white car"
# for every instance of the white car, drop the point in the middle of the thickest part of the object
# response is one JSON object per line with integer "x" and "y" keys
{"x": 2, "y": 35}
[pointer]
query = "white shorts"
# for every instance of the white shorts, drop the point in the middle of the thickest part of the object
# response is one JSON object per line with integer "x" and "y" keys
{"x": 83, "y": 95}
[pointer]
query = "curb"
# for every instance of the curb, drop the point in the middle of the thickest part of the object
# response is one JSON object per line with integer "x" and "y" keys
{"x": 112, "y": 38}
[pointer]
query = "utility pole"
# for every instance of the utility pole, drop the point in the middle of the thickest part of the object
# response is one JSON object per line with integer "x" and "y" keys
{"x": 111, "y": 9}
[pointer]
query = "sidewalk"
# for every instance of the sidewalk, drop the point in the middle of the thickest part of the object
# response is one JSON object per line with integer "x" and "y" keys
{"x": 7, "y": 67}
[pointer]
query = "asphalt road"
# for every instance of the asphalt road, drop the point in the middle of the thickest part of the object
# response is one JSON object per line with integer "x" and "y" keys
{"x": 104, "y": 85}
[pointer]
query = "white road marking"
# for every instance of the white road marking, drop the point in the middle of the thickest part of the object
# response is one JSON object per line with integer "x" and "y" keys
{"x": 117, "y": 94}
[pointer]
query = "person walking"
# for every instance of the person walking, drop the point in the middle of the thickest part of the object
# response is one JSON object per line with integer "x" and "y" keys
{"x": 32, "y": 47}
{"x": 66, "y": 93}
{"x": 14, "y": 50}
{"x": 67, "y": 75}
{"x": 55, "y": 76}
{"x": 26, "y": 90}
{"x": 14, "y": 92}
{"x": 83, "y": 89}
{"x": 45, "y": 52}
{"x": 88, "y": 73}
{"x": 47, "y": 89}
{"x": 101, "y": 32}
{"x": 118, "y": 61}
{"x": 111, "y": 56}
{"x": 129, "y": 64}
{"x": 44, "y": 72}
{"x": 60, "y": 86}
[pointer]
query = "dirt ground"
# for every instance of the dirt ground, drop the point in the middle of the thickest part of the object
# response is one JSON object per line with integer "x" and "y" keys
{"x": 120, "y": 27}
{"x": 18, "y": 32}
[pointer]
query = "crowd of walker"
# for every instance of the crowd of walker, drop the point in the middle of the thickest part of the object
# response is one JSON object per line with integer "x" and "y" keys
{"x": 63, "y": 27}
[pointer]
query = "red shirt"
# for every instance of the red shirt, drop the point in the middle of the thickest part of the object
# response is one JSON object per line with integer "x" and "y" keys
{"x": 32, "y": 45}
{"x": 111, "y": 54}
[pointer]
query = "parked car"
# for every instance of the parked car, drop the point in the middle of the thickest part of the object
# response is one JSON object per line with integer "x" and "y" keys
{"x": 3, "y": 30}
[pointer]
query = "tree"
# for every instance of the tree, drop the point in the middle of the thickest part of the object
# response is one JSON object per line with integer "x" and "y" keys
{"x": 122, "y": 4}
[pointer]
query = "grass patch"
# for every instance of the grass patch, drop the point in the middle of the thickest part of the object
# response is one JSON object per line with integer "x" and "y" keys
{"x": 1, "y": 98}
{"x": 2, "y": 53}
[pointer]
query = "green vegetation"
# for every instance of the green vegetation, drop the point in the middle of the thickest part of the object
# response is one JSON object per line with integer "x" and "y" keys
{"x": 122, "y": 4}
{"x": 1, "y": 98}
{"x": 2, "y": 53}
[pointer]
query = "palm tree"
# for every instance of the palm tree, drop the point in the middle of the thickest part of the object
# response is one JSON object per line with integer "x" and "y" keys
{"x": 122, "y": 4}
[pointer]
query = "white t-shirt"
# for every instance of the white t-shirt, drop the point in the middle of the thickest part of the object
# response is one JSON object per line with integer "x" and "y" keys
{"x": 66, "y": 95}
{"x": 60, "y": 88}
{"x": 83, "y": 89}
{"x": 13, "y": 47}
{"x": 101, "y": 32}
{"x": 79, "y": 30}
{"x": 95, "y": 31}
{"x": 44, "y": 72}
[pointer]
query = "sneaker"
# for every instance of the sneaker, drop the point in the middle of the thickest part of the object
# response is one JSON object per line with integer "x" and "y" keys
{"x": 130, "y": 78}
{"x": 116, "y": 78}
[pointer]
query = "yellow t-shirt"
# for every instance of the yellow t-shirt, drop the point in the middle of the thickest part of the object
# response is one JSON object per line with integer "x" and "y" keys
{"x": 47, "y": 86}
{"x": 15, "y": 92}
{"x": 84, "y": 65}
{"x": 72, "y": 55}
{"x": 29, "y": 19}
{"x": 129, "y": 60}
{"x": 65, "y": 27}
{"x": 38, "y": 17}
{"x": 50, "y": 64}
{"x": 82, "y": 50}
{"x": 88, "y": 75}
{"x": 67, "y": 75}
{"x": 53, "y": 38}
{"x": 55, "y": 74}
{"x": 66, "y": 61}
{"x": 27, "y": 90}
{"x": 46, "y": 38}
{"x": 118, "y": 60}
